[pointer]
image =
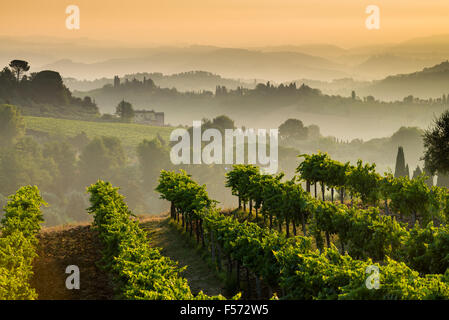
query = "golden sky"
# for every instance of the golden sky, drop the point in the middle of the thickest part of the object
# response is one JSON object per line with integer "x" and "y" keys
{"x": 227, "y": 22}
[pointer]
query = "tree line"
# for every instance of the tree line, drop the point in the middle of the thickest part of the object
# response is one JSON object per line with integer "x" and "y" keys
{"x": 40, "y": 93}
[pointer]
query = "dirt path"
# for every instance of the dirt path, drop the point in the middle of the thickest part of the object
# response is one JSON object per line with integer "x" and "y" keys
{"x": 173, "y": 245}
{"x": 60, "y": 247}
{"x": 78, "y": 245}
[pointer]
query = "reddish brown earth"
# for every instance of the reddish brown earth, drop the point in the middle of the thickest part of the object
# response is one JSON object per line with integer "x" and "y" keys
{"x": 60, "y": 247}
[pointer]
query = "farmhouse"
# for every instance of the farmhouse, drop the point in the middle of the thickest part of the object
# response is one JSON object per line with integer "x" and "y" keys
{"x": 149, "y": 117}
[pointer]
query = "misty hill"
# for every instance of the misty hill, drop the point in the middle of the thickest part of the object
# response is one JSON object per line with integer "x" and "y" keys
{"x": 185, "y": 81}
{"x": 342, "y": 87}
{"x": 430, "y": 82}
{"x": 436, "y": 46}
{"x": 320, "y": 50}
{"x": 433, "y": 48}
{"x": 383, "y": 65}
{"x": 268, "y": 105}
{"x": 90, "y": 59}
{"x": 228, "y": 62}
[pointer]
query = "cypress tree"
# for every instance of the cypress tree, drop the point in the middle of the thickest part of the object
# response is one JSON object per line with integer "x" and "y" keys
{"x": 417, "y": 172}
{"x": 407, "y": 172}
{"x": 400, "y": 170}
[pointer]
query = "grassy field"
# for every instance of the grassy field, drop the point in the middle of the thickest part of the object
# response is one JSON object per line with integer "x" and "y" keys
{"x": 177, "y": 247}
{"x": 130, "y": 134}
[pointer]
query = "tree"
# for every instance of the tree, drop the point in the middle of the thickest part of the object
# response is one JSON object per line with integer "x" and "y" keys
{"x": 411, "y": 197}
{"x": 436, "y": 154}
{"x": 408, "y": 99}
{"x": 295, "y": 205}
{"x": 363, "y": 180}
{"x": 417, "y": 172}
{"x": 48, "y": 87}
{"x": 314, "y": 169}
{"x": 12, "y": 125}
{"x": 101, "y": 159}
{"x": 125, "y": 110}
{"x": 79, "y": 141}
{"x": 64, "y": 158}
{"x": 293, "y": 128}
{"x": 7, "y": 83}
{"x": 400, "y": 170}
{"x": 273, "y": 204}
{"x": 19, "y": 67}
{"x": 238, "y": 179}
{"x": 313, "y": 132}
{"x": 22, "y": 164}
{"x": 223, "y": 122}
{"x": 336, "y": 177}
{"x": 153, "y": 156}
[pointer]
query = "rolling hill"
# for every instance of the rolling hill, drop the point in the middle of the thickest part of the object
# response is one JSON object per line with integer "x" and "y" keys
{"x": 228, "y": 62}
{"x": 430, "y": 82}
{"x": 184, "y": 81}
